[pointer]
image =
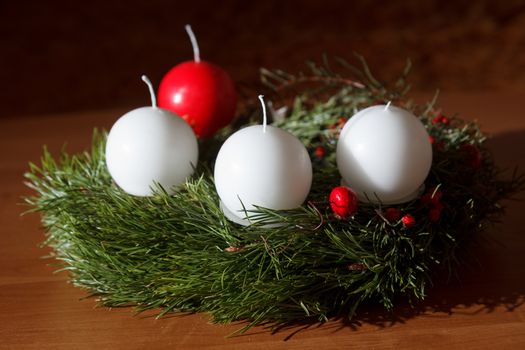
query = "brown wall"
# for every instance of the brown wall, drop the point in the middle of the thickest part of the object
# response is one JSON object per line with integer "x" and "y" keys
{"x": 59, "y": 56}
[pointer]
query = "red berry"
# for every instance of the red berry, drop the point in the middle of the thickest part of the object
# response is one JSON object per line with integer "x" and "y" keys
{"x": 435, "y": 195}
{"x": 472, "y": 156}
{"x": 392, "y": 214}
{"x": 437, "y": 206}
{"x": 434, "y": 214}
{"x": 320, "y": 152}
{"x": 432, "y": 197}
{"x": 343, "y": 201}
{"x": 441, "y": 119}
{"x": 431, "y": 139}
{"x": 408, "y": 220}
{"x": 425, "y": 199}
{"x": 341, "y": 122}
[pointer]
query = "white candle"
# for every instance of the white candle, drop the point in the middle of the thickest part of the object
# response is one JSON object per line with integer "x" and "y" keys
{"x": 150, "y": 145}
{"x": 264, "y": 166}
{"x": 384, "y": 154}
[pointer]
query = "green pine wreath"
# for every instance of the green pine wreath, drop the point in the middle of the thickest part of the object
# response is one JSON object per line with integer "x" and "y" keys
{"x": 178, "y": 253}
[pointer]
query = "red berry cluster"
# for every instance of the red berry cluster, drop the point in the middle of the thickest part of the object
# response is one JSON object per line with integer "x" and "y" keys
{"x": 438, "y": 121}
{"x": 441, "y": 119}
{"x": 432, "y": 200}
{"x": 392, "y": 215}
{"x": 471, "y": 154}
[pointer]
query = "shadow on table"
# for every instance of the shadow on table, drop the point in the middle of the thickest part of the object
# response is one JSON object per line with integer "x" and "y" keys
{"x": 494, "y": 281}
{"x": 471, "y": 296}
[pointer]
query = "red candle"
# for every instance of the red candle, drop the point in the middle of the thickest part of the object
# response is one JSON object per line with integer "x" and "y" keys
{"x": 200, "y": 92}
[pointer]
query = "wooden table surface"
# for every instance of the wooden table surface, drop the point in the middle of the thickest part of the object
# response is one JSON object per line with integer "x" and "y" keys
{"x": 40, "y": 310}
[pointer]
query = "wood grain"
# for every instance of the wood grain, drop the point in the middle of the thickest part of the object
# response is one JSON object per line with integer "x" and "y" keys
{"x": 40, "y": 310}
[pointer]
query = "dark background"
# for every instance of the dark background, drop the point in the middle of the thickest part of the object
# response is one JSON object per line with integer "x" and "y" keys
{"x": 62, "y": 56}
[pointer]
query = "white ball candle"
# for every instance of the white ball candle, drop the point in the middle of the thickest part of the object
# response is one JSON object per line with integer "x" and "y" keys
{"x": 264, "y": 166}
{"x": 384, "y": 154}
{"x": 150, "y": 145}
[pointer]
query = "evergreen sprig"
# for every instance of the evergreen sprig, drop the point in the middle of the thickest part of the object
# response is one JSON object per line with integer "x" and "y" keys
{"x": 180, "y": 254}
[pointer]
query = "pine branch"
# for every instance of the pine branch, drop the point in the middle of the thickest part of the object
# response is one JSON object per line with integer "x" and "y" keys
{"x": 180, "y": 254}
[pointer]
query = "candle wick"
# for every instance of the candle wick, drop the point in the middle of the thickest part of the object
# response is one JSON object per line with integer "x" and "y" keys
{"x": 265, "y": 120}
{"x": 388, "y": 105}
{"x": 151, "y": 92}
{"x": 194, "y": 44}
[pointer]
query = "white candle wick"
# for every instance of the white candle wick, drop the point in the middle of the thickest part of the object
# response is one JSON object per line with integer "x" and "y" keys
{"x": 151, "y": 92}
{"x": 388, "y": 105}
{"x": 194, "y": 44}
{"x": 265, "y": 120}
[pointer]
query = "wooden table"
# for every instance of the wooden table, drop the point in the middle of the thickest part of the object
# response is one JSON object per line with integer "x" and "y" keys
{"x": 40, "y": 310}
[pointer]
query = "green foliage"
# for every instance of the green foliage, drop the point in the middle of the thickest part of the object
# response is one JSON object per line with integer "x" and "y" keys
{"x": 179, "y": 253}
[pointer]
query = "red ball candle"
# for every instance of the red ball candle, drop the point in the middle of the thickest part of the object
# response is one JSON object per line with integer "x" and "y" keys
{"x": 200, "y": 92}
